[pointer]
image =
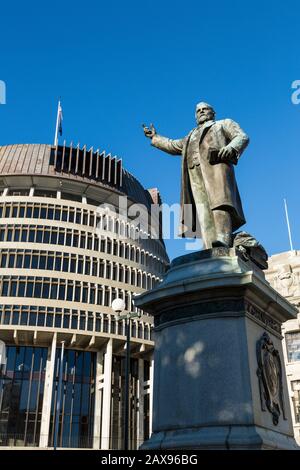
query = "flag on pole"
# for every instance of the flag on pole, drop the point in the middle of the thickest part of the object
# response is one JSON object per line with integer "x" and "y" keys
{"x": 59, "y": 119}
{"x": 288, "y": 224}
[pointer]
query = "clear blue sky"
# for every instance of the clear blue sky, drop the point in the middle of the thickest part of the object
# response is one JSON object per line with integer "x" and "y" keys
{"x": 119, "y": 64}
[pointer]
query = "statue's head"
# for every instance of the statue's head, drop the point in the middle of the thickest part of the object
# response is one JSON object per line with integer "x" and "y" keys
{"x": 204, "y": 112}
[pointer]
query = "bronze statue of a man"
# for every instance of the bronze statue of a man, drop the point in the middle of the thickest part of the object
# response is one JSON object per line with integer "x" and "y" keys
{"x": 211, "y": 207}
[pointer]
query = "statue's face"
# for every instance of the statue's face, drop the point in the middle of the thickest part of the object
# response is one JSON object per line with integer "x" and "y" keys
{"x": 204, "y": 113}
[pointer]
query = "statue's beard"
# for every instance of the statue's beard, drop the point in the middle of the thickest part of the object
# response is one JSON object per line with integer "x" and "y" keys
{"x": 203, "y": 119}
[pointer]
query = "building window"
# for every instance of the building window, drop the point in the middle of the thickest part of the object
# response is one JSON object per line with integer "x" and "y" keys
{"x": 296, "y": 399}
{"x": 77, "y": 413}
{"x": 293, "y": 346}
{"x": 22, "y": 396}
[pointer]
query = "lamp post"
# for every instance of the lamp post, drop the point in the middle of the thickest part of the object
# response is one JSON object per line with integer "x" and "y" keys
{"x": 118, "y": 306}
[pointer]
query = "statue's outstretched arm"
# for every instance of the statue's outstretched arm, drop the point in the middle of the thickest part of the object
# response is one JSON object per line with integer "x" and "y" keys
{"x": 172, "y": 146}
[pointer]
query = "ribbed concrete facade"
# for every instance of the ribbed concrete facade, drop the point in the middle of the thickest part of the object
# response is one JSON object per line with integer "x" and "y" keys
{"x": 64, "y": 258}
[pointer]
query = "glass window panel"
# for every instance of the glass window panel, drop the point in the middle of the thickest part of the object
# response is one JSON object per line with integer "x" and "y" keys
{"x": 3, "y": 260}
{"x": 89, "y": 243}
{"x": 58, "y": 263}
{"x": 57, "y": 214}
{"x": 61, "y": 237}
{"x": 62, "y": 292}
{"x": 21, "y": 292}
{"x": 65, "y": 264}
{"x": 74, "y": 322}
{"x": 57, "y": 321}
{"x": 39, "y": 236}
{"x": 41, "y": 319}
{"x": 53, "y": 238}
{"x": 49, "y": 320}
{"x": 82, "y": 240}
{"x": 7, "y": 317}
{"x": 24, "y": 234}
{"x": 50, "y": 261}
{"x": 73, "y": 265}
{"x": 87, "y": 267}
{"x": 78, "y": 216}
{"x": 77, "y": 293}
{"x": 75, "y": 239}
{"x": 24, "y": 317}
{"x": 13, "y": 288}
{"x": 31, "y": 235}
{"x": 66, "y": 322}
{"x": 29, "y": 212}
{"x": 68, "y": 239}
{"x": 70, "y": 293}
{"x": 293, "y": 346}
{"x": 54, "y": 288}
{"x": 80, "y": 266}
{"x": 84, "y": 294}
{"x": 36, "y": 212}
{"x": 29, "y": 289}
{"x": 17, "y": 234}
{"x": 34, "y": 261}
{"x": 46, "y": 238}
{"x": 42, "y": 264}
{"x": 46, "y": 289}
{"x": 37, "y": 289}
{"x": 71, "y": 216}
{"x": 32, "y": 318}
{"x": 27, "y": 261}
{"x": 5, "y": 285}
{"x": 50, "y": 213}
{"x": 15, "y": 317}
{"x": 15, "y": 211}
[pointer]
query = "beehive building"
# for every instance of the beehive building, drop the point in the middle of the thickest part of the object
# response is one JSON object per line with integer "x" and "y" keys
{"x": 66, "y": 252}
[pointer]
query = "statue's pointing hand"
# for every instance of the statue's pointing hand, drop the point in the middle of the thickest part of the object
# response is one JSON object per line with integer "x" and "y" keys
{"x": 149, "y": 131}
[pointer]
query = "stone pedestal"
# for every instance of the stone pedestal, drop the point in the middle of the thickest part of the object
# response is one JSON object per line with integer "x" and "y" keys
{"x": 218, "y": 382}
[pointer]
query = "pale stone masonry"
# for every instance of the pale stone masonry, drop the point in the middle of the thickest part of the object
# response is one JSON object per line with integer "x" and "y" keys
{"x": 284, "y": 275}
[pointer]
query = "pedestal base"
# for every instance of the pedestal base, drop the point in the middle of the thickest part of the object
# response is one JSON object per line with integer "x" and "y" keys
{"x": 218, "y": 382}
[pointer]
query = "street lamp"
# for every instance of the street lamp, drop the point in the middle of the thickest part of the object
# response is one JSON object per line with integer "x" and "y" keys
{"x": 118, "y": 305}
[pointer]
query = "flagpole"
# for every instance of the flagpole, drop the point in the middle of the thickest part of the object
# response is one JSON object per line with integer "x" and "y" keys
{"x": 288, "y": 224}
{"x": 56, "y": 128}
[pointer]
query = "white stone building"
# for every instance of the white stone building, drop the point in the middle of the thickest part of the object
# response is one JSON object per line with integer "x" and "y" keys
{"x": 63, "y": 260}
{"x": 284, "y": 275}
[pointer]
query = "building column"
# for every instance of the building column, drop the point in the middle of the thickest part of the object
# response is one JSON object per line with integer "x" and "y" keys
{"x": 140, "y": 411}
{"x": 47, "y": 400}
{"x": 98, "y": 396}
{"x": 106, "y": 402}
{"x": 151, "y": 395}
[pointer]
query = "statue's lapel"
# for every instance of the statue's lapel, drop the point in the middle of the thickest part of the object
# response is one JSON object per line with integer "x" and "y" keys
{"x": 204, "y": 129}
